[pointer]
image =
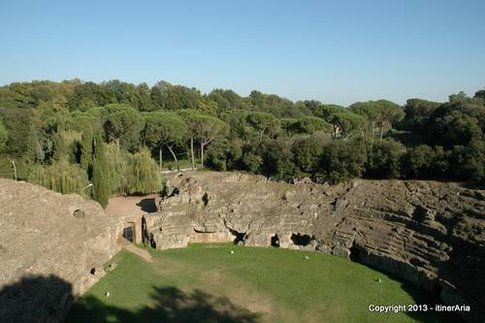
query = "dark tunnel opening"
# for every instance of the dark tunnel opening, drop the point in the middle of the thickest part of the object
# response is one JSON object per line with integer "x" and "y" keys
{"x": 355, "y": 252}
{"x": 301, "y": 239}
{"x": 275, "y": 241}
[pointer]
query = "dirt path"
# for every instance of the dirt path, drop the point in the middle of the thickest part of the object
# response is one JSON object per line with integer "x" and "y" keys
{"x": 145, "y": 255}
{"x": 131, "y": 205}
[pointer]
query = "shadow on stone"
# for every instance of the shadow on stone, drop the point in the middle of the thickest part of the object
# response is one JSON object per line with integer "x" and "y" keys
{"x": 170, "y": 305}
{"x": 36, "y": 298}
{"x": 148, "y": 205}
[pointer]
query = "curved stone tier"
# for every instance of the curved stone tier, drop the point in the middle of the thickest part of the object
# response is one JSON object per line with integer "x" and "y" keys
{"x": 430, "y": 233}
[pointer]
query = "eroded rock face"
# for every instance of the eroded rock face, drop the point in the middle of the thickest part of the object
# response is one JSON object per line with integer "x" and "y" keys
{"x": 430, "y": 233}
{"x": 52, "y": 247}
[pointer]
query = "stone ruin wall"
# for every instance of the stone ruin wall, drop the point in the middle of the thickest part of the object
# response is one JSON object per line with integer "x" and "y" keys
{"x": 429, "y": 233}
{"x": 52, "y": 248}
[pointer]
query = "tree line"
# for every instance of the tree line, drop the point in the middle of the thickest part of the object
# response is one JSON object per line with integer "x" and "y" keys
{"x": 66, "y": 135}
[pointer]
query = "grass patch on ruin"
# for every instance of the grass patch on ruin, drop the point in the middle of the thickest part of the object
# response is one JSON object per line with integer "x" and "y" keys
{"x": 207, "y": 283}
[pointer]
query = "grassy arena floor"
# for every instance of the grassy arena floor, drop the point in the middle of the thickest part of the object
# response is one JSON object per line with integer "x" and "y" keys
{"x": 206, "y": 283}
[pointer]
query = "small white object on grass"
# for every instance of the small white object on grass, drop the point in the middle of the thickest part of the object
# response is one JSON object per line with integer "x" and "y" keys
{"x": 379, "y": 280}
{"x": 231, "y": 252}
{"x": 106, "y": 294}
{"x": 306, "y": 258}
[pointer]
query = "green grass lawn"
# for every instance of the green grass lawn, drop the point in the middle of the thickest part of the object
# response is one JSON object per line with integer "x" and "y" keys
{"x": 206, "y": 283}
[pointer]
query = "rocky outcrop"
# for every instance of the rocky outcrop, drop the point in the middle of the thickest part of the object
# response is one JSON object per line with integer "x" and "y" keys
{"x": 52, "y": 247}
{"x": 430, "y": 233}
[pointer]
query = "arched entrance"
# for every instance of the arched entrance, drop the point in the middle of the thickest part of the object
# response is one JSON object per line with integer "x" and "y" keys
{"x": 129, "y": 232}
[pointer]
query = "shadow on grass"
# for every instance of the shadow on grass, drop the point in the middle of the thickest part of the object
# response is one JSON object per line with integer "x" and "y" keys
{"x": 170, "y": 305}
{"x": 35, "y": 298}
{"x": 420, "y": 297}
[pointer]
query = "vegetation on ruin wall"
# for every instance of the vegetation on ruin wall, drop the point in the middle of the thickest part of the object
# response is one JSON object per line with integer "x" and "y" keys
{"x": 208, "y": 283}
{"x": 44, "y": 125}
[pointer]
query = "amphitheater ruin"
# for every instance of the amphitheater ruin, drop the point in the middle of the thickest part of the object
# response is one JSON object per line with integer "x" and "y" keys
{"x": 429, "y": 233}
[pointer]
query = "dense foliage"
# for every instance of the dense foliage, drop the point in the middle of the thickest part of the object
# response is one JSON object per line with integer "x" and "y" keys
{"x": 117, "y": 136}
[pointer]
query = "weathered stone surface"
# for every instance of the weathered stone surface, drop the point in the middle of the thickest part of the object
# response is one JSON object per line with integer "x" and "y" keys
{"x": 49, "y": 240}
{"x": 430, "y": 233}
{"x": 422, "y": 231}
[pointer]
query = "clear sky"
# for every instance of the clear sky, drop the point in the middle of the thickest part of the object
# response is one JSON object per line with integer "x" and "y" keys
{"x": 333, "y": 51}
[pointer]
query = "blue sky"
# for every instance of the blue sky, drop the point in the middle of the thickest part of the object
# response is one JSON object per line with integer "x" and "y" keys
{"x": 333, "y": 51}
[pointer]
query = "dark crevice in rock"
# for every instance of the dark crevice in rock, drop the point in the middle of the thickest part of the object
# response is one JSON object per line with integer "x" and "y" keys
{"x": 301, "y": 239}
{"x": 417, "y": 262}
{"x": 355, "y": 254}
{"x": 153, "y": 244}
{"x": 205, "y": 199}
{"x": 275, "y": 241}
{"x": 239, "y": 237}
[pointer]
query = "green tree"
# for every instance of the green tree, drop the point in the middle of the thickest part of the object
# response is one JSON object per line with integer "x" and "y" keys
{"x": 102, "y": 177}
{"x": 480, "y": 94}
{"x": 227, "y": 99}
{"x": 204, "y": 129}
{"x": 20, "y": 135}
{"x": 417, "y": 114}
{"x": 118, "y": 159}
{"x": 307, "y": 153}
{"x": 384, "y": 159}
{"x": 425, "y": 162}
{"x": 61, "y": 177}
{"x": 174, "y": 97}
{"x": 277, "y": 158}
{"x": 142, "y": 100}
{"x": 123, "y": 125}
{"x": 381, "y": 114}
{"x": 167, "y": 129}
{"x": 142, "y": 174}
{"x": 342, "y": 160}
{"x": 468, "y": 162}
{"x": 3, "y": 137}
{"x": 252, "y": 161}
{"x": 264, "y": 124}
{"x": 208, "y": 129}
{"x": 307, "y": 125}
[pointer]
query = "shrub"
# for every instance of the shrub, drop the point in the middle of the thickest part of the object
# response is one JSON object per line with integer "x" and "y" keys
{"x": 307, "y": 152}
{"x": 425, "y": 162}
{"x": 384, "y": 159}
{"x": 468, "y": 162}
{"x": 342, "y": 160}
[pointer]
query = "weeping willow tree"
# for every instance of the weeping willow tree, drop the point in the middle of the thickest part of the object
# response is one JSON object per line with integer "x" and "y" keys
{"x": 118, "y": 164}
{"x": 61, "y": 177}
{"x": 142, "y": 174}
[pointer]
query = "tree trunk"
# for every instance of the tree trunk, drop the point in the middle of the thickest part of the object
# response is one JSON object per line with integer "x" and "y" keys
{"x": 14, "y": 170}
{"x": 381, "y": 131}
{"x": 202, "y": 154}
{"x": 174, "y": 157}
{"x": 160, "y": 158}
{"x": 192, "y": 152}
{"x": 335, "y": 131}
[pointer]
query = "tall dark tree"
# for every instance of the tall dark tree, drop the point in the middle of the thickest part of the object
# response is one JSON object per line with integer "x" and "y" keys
{"x": 101, "y": 178}
{"x": 3, "y": 136}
